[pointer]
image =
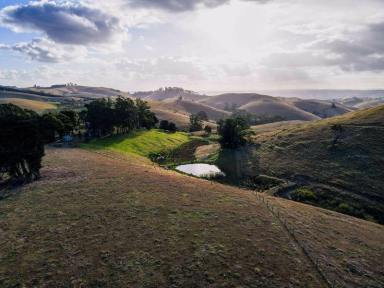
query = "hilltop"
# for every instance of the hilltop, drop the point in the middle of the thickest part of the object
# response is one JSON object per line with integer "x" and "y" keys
{"x": 104, "y": 219}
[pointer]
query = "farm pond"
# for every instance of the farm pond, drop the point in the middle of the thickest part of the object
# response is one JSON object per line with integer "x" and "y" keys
{"x": 200, "y": 170}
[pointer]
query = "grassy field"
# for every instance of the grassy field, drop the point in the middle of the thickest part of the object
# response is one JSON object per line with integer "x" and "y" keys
{"x": 119, "y": 221}
{"x": 142, "y": 143}
{"x": 38, "y": 106}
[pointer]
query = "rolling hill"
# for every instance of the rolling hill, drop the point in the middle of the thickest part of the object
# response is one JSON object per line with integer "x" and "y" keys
{"x": 172, "y": 102}
{"x": 276, "y": 107}
{"x": 188, "y": 107}
{"x": 108, "y": 220}
{"x": 34, "y": 105}
{"x": 321, "y": 108}
{"x": 78, "y": 91}
{"x": 289, "y": 108}
{"x": 172, "y": 93}
{"x": 233, "y": 99}
{"x": 347, "y": 177}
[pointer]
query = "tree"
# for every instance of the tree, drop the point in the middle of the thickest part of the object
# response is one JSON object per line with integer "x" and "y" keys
{"x": 126, "y": 115}
{"x": 202, "y": 115}
{"x": 234, "y": 132}
{"x": 172, "y": 127}
{"x": 337, "y": 130}
{"x": 67, "y": 123}
{"x": 195, "y": 123}
{"x": 50, "y": 126}
{"x": 164, "y": 125}
{"x": 147, "y": 118}
{"x": 208, "y": 129}
{"x": 72, "y": 121}
{"x": 21, "y": 143}
{"x": 100, "y": 117}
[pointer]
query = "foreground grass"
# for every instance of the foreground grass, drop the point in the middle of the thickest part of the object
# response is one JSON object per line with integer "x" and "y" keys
{"x": 95, "y": 221}
{"x": 142, "y": 142}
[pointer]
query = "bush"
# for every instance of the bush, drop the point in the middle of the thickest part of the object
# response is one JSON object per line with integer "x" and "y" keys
{"x": 172, "y": 127}
{"x": 196, "y": 123}
{"x": 304, "y": 194}
{"x": 164, "y": 125}
{"x": 208, "y": 129}
{"x": 21, "y": 143}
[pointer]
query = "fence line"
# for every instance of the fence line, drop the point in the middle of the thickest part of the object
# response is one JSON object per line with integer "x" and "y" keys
{"x": 332, "y": 283}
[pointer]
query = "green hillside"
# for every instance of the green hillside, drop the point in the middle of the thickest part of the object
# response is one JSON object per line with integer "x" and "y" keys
{"x": 347, "y": 177}
{"x": 142, "y": 143}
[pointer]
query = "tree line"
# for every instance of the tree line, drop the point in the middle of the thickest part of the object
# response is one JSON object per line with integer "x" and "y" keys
{"x": 23, "y": 132}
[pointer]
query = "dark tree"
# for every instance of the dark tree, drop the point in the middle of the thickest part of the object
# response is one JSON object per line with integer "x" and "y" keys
{"x": 147, "y": 119}
{"x": 21, "y": 143}
{"x": 100, "y": 117}
{"x": 50, "y": 126}
{"x": 73, "y": 122}
{"x": 202, "y": 115}
{"x": 67, "y": 123}
{"x": 164, "y": 125}
{"x": 126, "y": 115}
{"x": 234, "y": 132}
{"x": 337, "y": 130}
{"x": 195, "y": 123}
{"x": 172, "y": 127}
{"x": 208, "y": 129}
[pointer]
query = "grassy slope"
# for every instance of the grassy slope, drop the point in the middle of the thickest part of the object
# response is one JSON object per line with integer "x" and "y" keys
{"x": 93, "y": 221}
{"x": 38, "y": 106}
{"x": 142, "y": 142}
{"x": 276, "y": 107}
{"x": 352, "y": 173}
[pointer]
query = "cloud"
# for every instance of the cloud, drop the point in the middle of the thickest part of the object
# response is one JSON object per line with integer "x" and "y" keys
{"x": 359, "y": 51}
{"x": 63, "y": 22}
{"x": 356, "y": 50}
{"x": 44, "y": 50}
{"x": 161, "y": 67}
{"x": 181, "y": 5}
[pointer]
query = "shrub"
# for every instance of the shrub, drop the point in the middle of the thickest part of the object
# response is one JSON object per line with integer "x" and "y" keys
{"x": 172, "y": 127}
{"x": 164, "y": 125}
{"x": 208, "y": 129}
{"x": 304, "y": 194}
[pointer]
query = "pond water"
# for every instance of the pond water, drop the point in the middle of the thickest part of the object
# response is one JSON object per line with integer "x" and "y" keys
{"x": 201, "y": 170}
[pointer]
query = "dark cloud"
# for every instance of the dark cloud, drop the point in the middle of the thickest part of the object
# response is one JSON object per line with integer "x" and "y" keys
{"x": 181, "y": 5}
{"x": 358, "y": 51}
{"x": 67, "y": 22}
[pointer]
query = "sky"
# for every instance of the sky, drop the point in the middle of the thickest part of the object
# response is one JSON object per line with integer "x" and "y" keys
{"x": 202, "y": 45}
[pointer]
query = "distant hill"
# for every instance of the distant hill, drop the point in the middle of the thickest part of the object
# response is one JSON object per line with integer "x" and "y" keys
{"x": 289, "y": 108}
{"x": 276, "y": 107}
{"x": 169, "y": 100}
{"x": 347, "y": 177}
{"x": 80, "y": 91}
{"x": 34, "y": 105}
{"x": 169, "y": 93}
{"x": 233, "y": 100}
{"x": 189, "y": 107}
{"x": 321, "y": 108}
